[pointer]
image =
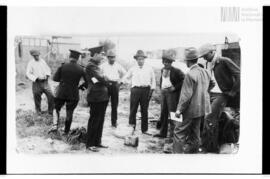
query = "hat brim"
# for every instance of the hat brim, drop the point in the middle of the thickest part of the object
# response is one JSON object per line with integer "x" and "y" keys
{"x": 136, "y": 56}
{"x": 188, "y": 59}
{"x": 164, "y": 58}
{"x": 206, "y": 52}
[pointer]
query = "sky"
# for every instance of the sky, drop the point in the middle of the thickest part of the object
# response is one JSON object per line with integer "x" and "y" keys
{"x": 131, "y": 28}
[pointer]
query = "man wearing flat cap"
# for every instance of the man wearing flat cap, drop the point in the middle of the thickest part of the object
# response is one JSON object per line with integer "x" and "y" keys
{"x": 38, "y": 72}
{"x": 194, "y": 104}
{"x": 114, "y": 72}
{"x": 68, "y": 75}
{"x": 143, "y": 84}
{"x": 226, "y": 74}
{"x": 171, "y": 81}
{"x": 97, "y": 99}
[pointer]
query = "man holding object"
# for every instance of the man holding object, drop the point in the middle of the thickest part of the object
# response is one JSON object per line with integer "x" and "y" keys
{"x": 194, "y": 104}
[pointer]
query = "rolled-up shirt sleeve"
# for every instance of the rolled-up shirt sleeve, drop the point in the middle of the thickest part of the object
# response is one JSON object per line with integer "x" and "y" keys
{"x": 121, "y": 70}
{"x": 153, "y": 80}
{"x": 47, "y": 68}
{"x": 29, "y": 72}
{"x": 127, "y": 76}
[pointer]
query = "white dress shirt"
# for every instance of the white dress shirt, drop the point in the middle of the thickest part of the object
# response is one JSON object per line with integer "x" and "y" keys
{"x": 141, "y": 76}
{"x": 37, "y": 69}
{"x": 113, "y": 72}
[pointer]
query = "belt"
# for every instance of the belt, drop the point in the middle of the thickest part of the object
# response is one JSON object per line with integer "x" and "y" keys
{"x": 141, "y": 87}
{"x": 40, "y": 81}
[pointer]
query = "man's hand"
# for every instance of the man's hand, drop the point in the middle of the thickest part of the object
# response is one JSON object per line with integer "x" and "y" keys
{"x": 119, "y": 84}
{"x": 177, "y": 114}
{"x": 150, "y": 94}
{"x": 231, "y": 94}
{"x": 172, "y": 89}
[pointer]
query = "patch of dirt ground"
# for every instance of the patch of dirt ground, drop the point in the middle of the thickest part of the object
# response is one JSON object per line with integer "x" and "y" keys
{"x": 33, "y": 136}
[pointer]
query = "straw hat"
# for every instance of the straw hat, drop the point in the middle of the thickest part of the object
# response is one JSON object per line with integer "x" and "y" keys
{"x": 168, "y": 55}
{"x": 206, "y": 48}
{"x": 191, "y": 53}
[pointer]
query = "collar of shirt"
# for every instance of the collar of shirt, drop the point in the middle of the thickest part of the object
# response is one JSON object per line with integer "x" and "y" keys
{"x": 193, "y": 66}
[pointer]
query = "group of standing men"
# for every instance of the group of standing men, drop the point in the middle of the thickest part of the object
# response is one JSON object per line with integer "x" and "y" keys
{"x": 187, "y": 95}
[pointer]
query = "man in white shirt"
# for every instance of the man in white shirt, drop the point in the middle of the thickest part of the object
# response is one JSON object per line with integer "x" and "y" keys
{"x": 143, "y": 84}
{"x": 38, "y": 72}
{"x": 113, "y": 71}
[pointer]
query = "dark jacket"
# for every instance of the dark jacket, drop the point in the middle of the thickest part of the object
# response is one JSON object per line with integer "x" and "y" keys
{"x": 176, "y": 78}
{"x": 97, "y": 92}
{"x": 69, "y": 75}
{"x": 227, "y": 75}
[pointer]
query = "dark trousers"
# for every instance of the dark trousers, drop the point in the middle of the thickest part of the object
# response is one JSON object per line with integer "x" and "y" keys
{"x": 95, "y": 123}
{"x": 70, "y": 106}
{"x": 38, "y": 89}
{"x": 169, "y": 101}
{"x": 187, "y": 136}
{"x": 211, "y": 124}
{"x": 113, "y": 91}
{"x": 139, "y": 95}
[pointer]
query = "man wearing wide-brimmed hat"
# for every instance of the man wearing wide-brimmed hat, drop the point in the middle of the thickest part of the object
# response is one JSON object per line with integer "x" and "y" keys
{"x": 68, "y": 75}
{"x": 38, "y": 72}
{"x": 114, "y": 72}
{"x": 97, "y": 99}
{"x": 171, "y": 81}
{"x": 194, "y": 104}
{"x": 226, "y": 74}
{"x": 143, "y": 84}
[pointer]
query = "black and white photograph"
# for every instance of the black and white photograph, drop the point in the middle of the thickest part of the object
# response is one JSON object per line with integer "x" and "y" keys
{"x": 146, "y": 85}
{"x": 128, "y": 94}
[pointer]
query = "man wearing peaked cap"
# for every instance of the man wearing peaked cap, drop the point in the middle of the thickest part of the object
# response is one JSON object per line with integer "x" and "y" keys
{"x": 95, "y": 50}
{"x": 38, "y": 72}
{"x": 114, "y": 72}
{"x": 194, "y": 104}
{"x": 68, "y": 75}
{"x": 97, "y": 99}
{"x": 171, "y": 81}
{"x": 143, "y": 83}
{"x": 226, "y": 74}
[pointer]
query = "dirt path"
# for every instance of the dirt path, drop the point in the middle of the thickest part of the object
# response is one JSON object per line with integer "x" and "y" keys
{"x": 32, "y": 137}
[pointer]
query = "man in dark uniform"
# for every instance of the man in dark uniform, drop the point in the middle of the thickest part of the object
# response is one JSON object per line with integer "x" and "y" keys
{"x": 97, "y": 99}
{"x": 69, "y": 75}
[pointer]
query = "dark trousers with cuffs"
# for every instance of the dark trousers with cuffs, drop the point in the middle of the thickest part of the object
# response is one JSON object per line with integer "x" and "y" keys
{"x": 113, "y": 91}
{"x": 38, "y": 89}
{"x": 187, "y": 136}
{"x": 70, "y": 106}
{"x": 169, "y": 101}
{"x": 95, "y": 123}
{"x": 139, "y": 96}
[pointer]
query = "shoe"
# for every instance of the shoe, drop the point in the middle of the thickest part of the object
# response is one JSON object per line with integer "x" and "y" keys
{"x": 53, "y": 129}
{"x": 146, "y": 133}
{"x": 92, "y": 148}
{"x": 159, "y": 135}
{"x": 114, "y": 126}
{"x": 102, "y": 146}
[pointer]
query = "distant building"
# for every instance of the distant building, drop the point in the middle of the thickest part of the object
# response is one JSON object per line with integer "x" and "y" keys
{"x": 53, "y": 49}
